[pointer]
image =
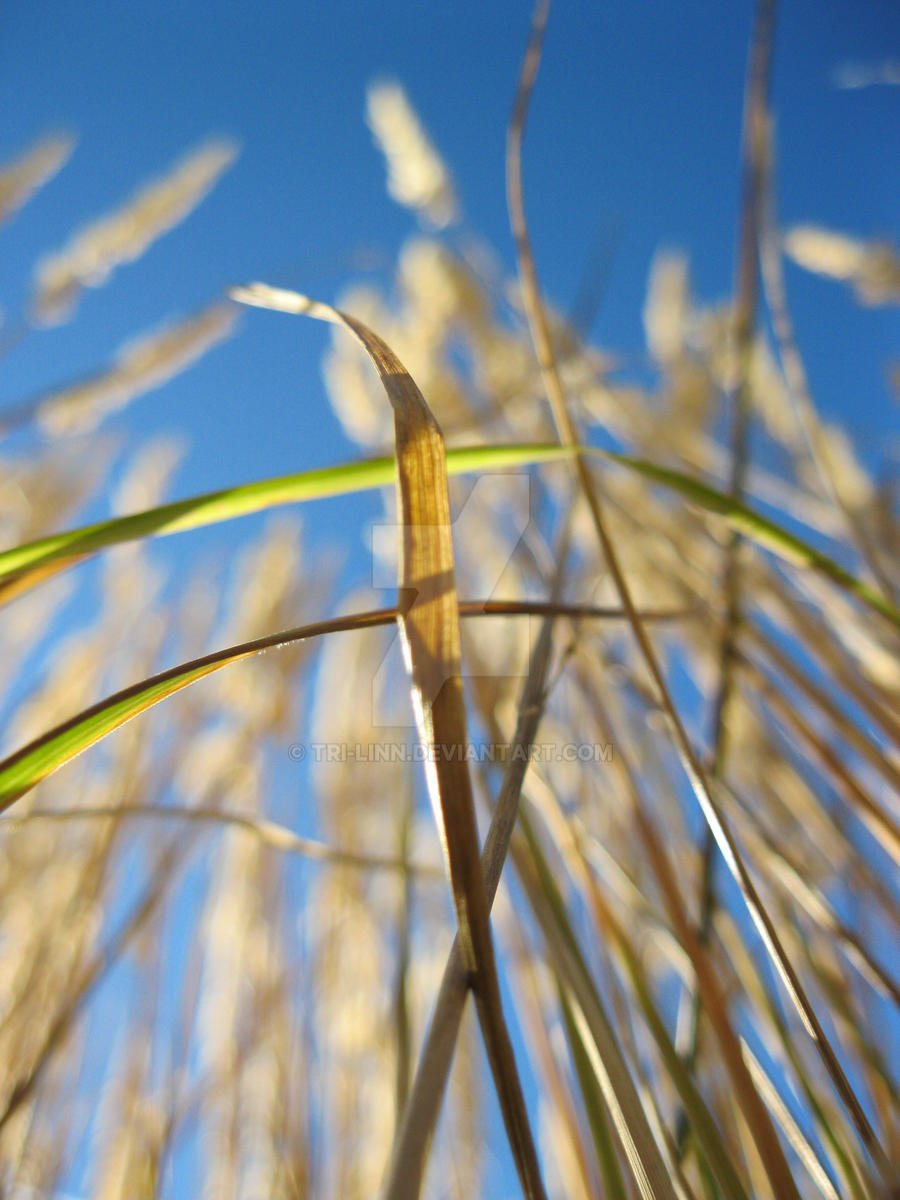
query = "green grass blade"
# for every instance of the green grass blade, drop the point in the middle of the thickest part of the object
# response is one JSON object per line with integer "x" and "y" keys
{"x": 711, "y": 1144}
{"x": 346, "y": 478}
{"x": 760, "y": 529}
{"x": 21, "y": 771}
{"x": 225, "y": 505}
{"x": 594, "y": 1027}
{"x": 594, "y": 1105}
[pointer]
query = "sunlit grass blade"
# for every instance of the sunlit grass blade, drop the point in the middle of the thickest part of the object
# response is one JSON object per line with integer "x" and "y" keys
{"x": 761, "y": 530}
{"x": 714, "y": 1154}
{"x": 25, "y": 768}
{"x": 416, "y": 1125}
{"x": 21, "y": 771}
{"x": 712, "y": 1146}
{"x": 594, "y": 1107}
{"x": 595, "y": 1030}
{"x": 27, "y": 560}
{"x": 799, "y": 1141}
{"x": 347, "y": 478}
{"x": 831, "y": 1125}
{"x": 429, "y": 627}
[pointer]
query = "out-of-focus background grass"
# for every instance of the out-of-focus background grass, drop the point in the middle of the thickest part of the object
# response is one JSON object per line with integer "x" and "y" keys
{"x": 633, "y": 147}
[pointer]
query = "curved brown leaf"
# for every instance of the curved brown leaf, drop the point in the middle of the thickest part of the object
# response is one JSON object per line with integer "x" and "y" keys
{"x": 429, "y": 625}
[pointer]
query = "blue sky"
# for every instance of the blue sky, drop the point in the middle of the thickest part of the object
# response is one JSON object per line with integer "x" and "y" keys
{"x": 633, "y": 144}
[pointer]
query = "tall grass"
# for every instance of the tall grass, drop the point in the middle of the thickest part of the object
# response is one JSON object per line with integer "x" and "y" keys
{"x": 672, "y": 701}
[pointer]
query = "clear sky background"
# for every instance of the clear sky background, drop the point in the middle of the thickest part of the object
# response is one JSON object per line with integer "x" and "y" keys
{"x": 633, "y": 144}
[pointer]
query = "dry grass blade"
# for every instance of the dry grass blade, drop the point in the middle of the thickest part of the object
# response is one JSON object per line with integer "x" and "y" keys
{"x": 794, "y": 1134}
{"x": 595, "y": 1106}
{"x": 568, "y": 434}
{"x": 595, "y": 1029}
{"x": 879, "y": 821}
{"x": 713, "y": 999}
{"x": 421, "y": 1112}
{"x": 429, "y": 627}
{"x": 746, "y": 303}
{"x": 20, "y": 179}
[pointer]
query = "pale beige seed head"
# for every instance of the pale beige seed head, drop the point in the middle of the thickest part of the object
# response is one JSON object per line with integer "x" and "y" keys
{"x": 93, "y": 254}
{"x": 130, "y": 1122}
{"x": 843, "y": 465}
{"x": 439, "y": 290}
{"x": 873, "y": 268}
{"x": 879, "y": 280}
{"x": 417, "y": 178}
{"x": 227, "y": 930}
{"x": 72, "y": 683}
{"x": 140, "y": 366}
{"x": 148, "y": 476}
{"x": 20, "y": 179}
{"x": 268, "y": 571}
{"x": 667, "y": 307}
{"x": 352, "y": 1023}
{"x": 770, "y": 395}
{"x": 824, "y": 251}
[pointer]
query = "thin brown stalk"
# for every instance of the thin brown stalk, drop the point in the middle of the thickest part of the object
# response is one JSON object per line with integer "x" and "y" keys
{"x": 821, "y": 699}
{"x": 708, "y": 984}
{"x": 269, "y": 833}
{"x": 882, "y": 825}
{"x": 420, "y": 1115}
{"x": 429, "y": 629}
{"x": 771, "y": 262}
{"x": 784, "y": 869}
{"x": 745, "y": 307}
{"x": 601, "y": 1041}
{"x": 751, "y": 1106}
{"x": 880, "y": 706}
{"x": 690, "y": 761}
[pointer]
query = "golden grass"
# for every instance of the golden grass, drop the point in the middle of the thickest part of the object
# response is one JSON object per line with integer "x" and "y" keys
{"x": 287, "y": 979}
